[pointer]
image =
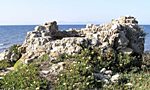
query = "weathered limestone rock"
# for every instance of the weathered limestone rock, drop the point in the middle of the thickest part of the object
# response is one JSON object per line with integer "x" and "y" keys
{"x": 12, "y": 54}
{"x": 127, "y": 20}
{"x": 106, "y": 76}
{"x": 127, "y": 51}
{"x": 115, "y": 77}
{"x": 89, "y": 25}
{"x": 50, "y": 72}
{"x": 122, "y": 35}
{"x": 2, "y": 55}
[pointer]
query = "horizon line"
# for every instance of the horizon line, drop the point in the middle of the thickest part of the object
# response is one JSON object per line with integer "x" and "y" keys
{"x": 57, "y": 24}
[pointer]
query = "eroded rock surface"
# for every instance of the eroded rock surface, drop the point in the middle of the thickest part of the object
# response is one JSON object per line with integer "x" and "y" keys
{"x": 123, "y": 34}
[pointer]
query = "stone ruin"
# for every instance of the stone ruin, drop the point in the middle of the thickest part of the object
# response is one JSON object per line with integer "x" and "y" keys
{"x": 122, "y": 35}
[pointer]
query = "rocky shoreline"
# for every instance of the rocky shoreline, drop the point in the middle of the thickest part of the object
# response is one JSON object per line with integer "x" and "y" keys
{"x": 123, "y": 35}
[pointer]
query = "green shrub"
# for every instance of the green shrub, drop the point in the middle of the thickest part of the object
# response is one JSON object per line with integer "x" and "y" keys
{"x": 140, "y": 81}
{"x": 131, "y": 81}
{"x": 7, "y": 63}
{"x": 4, "y": 64}
{"x": 62, "y": 58}
{"x": 78, "y": 72}
{"x": 43, "y": 58}
{"x": 125, "y": 62}
{"x": 23, "y": 78}
{"x": 14, "y": 49}
{"x": 19, "y": 64}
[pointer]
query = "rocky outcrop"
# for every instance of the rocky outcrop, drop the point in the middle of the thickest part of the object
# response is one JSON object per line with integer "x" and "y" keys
{"x": 122, "y": 35}
{"x": 12, "y": 54}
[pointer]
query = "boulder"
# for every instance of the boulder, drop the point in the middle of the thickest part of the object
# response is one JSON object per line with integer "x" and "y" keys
{"x": 12, "y": 54}
{"x": 115, "y": 78}
{"x": 2, "y": 55}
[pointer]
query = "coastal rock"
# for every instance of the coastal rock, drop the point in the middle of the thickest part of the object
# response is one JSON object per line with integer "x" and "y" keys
{"x": 48, "y": 71}
{"x": 12, "y": 54}
{"x": 115, "y": 77}
{"x": 146, "y": 58}
{"x": 123, "y": 35}
{"x": 56, "y": 68}
{"x": 89, "y": 25}
{"x": 2, "y": 55}
{"x": 106, "y": 76}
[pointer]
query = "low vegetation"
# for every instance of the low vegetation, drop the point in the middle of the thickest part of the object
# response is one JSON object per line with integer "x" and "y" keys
{"x": 131, "y": 81}
{"x": 25, "y": 77}
{"x": 79, "y": 69}
{"x": 10, "y": 63}
{"x": 4, "y": 64}
{"x": 78, "y": 73}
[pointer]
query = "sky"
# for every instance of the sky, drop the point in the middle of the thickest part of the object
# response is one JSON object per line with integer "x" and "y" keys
{"x": 30, "y": 12}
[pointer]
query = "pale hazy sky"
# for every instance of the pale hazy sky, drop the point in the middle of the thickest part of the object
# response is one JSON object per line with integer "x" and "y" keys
{"x": 71, "y": 11}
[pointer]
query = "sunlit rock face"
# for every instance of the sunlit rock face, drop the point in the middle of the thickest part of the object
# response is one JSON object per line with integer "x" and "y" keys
{"x": 121, "y": 35}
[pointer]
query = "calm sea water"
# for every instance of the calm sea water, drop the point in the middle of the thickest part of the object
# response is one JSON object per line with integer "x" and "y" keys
{"x": 10, "y": 35}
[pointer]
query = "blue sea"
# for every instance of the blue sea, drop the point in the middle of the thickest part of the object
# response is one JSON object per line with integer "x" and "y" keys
{"x": 15, "y": 34}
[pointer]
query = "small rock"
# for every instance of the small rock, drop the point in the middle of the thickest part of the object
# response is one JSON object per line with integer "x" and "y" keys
{"x": 89, "y": 25}
{"x": 45, "y": 72}
{"x": 2, "y": 55}
{"x": 103, "y": 70}
{"x": 127, "y": 51}
{"x": 1, "y": 77}
{"x": 106, "y": 81}
{"x": 4, "y": 73}
{"x": 129, "y": 84}
{"x": 115, "y": 77}
{"x": 39, "y": 28}
{"x": 108, "y": 72}
{"x": 10, "y": 68}
{"x": 113, "y": 27}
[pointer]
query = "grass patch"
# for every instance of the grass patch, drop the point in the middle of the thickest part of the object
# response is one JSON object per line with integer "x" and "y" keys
{"x": 14, "y": 49}
{"x": 131, "y": 81}
{"x": 19, "y": 64}
{"x": 25, "y": 76}
{"x": 79, "y": 69}
{"x": 4, "y": 64}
